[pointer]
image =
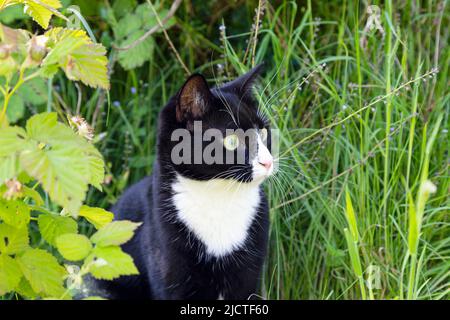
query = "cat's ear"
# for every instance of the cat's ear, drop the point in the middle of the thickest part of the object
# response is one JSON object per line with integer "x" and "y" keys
{"x": 244, "y": 84}
{"x": 194, "y": 99}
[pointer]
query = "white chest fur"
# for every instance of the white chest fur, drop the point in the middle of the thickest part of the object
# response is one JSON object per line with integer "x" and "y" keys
{"x": 219, "y": 212}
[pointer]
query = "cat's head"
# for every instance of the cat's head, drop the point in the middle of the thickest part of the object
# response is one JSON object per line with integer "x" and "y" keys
{"x": 218, "y": 132}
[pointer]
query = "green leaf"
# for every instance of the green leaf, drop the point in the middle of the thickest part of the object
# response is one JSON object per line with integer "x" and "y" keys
{"x": 121, "y": 8}
{"x": 135, "y": 57}
{"x": 24, "y": 289}
{"x": 350, "y": 214}
{"x": 88, "y": 64}
{"x": 78, "y": 56}
{"x": 110, "y": 262}
{"x": 65, "y": 165}
{"x": 9, "y": 167}
{"x": 10, "y": 14}
{"x": 60, "y": 171}
{"x": 33, "y": 194}
{"x": 73, "y": 247}
{"x": 12, "y": 140}
{"x": 13, "y": 240}
{"x": 115, "y": 233}
{"x": 14, "y": 213}
{"x": 41, "y": 14}
{"x": 10, "y": 274}
{"x": 16, "y": 108}
{"x": 97, "y": 216}
{"x": 127, "y": 25}
{"x": 53, "y": 226}
{"x": 96, "y": 166}
{"x": 34, "y": 92}
{"x": 43, "y": 272}
{"x": 149, "y": 20}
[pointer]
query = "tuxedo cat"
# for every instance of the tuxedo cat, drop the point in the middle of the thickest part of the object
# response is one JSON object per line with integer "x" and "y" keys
{"x": 205, "y": 226}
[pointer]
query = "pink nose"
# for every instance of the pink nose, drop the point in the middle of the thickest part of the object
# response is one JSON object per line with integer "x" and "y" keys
{"x": 266, "y": 163}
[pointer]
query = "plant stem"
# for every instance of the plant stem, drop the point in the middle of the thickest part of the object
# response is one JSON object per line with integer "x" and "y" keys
{"x": 412, "y": 276}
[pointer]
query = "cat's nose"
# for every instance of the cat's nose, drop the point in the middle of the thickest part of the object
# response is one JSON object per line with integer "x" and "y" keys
{"x": 267, "y": 163}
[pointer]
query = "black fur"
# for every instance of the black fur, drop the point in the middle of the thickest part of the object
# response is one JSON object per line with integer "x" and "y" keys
{"x": 173, "y": 263}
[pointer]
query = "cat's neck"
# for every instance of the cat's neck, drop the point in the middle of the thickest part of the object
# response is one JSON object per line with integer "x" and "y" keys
{"x": 218, "y": 211}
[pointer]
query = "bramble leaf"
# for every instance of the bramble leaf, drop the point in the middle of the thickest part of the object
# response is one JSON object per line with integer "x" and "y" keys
{"x": 43, "y": 272}
{"x": 53, "y": 226}
{"x": 78, "y": 56}
{"x": 13, "y": 240}
{"x": 14, "y": 213}
{"x": 40, "y": 13}
{"x": 25, "y": 290}
{"x": 12, "y": 140}
{"x": 73, "y": 247}
{"x": 115, "y": 233}
{"x": 110, "y": 262}
{"x": 9, "y": 167}
{"x": 135, "y": 57}
{"x": 97, "y": 216}
{"x": 10, "y": 274}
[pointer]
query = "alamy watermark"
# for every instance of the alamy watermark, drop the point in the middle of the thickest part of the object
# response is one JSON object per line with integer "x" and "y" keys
{"x": 231, "y": 146}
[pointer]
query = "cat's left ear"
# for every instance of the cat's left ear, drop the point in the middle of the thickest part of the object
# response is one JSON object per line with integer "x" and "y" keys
{"x": 194, "y": 99}
{"x": 244, "y": 84}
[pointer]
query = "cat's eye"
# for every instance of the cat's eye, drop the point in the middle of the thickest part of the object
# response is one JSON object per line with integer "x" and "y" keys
{"x": 231, "y": 142}
{"x": 263, "y": 134}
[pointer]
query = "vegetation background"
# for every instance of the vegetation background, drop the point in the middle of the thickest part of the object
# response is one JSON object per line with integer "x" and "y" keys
{"x": 359, "y": 92}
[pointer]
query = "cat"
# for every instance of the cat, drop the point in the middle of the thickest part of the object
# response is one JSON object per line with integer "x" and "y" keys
{"x": 205, "y": 226}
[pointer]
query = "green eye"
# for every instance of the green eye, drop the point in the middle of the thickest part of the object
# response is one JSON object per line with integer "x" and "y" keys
{"x": 231, "y": 142}
{"x": 263, "y": 134}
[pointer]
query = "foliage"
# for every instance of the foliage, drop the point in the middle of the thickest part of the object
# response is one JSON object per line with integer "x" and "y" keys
{"x": 51, "y": 158}
{"x": 357, "y": 97}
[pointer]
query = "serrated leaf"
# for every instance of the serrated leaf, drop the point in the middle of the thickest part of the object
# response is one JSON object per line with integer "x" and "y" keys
{"x": 88, "y": 64}
{"x": 148, "y": 19}
{"x": 127, "y": 25}
{"x": 13, "y": 240}
{"x": 33, "y": 194}
{"x": 34, "y": 92}
{"x": 78, "y": 56}
{"x": 43, "y": 272}
{"x": 135, "y": 57}
{"x": 97, "y": 216}
{"x": 115, "y": 233}
{"x": 24, "y": 289}
{"x": 16, "y": 108}
{"x": 110, "y": 262}
{"x": 73, "y": 247}
{"x": 10, "y": 274}
{"x": 96, "y": 166}
{"x": 39, "y": 13}
{"x": 52, "y": 226}
{"x": 38, "y": 125}
{"x": 9, "y": 167}
{"x": 14, "y": 213}
{"x": 12, "y": 140}
{"x": 65, "y": 165}
{"x": 123, "y": 7}
{"x": 60, "y": 172}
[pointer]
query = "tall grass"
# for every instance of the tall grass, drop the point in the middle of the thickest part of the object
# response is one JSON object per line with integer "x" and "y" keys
{"x": 363, "y": 120}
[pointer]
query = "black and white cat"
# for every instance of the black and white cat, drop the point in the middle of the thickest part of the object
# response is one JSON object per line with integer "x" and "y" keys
{"x": 205, "y": 226}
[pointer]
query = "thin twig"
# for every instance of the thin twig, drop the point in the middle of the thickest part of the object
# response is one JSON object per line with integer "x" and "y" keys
{"x": 166, "y": 35}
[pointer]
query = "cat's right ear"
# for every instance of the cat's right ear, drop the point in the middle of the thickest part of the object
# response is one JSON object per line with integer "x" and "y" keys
{"x": 194, "y": 99}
